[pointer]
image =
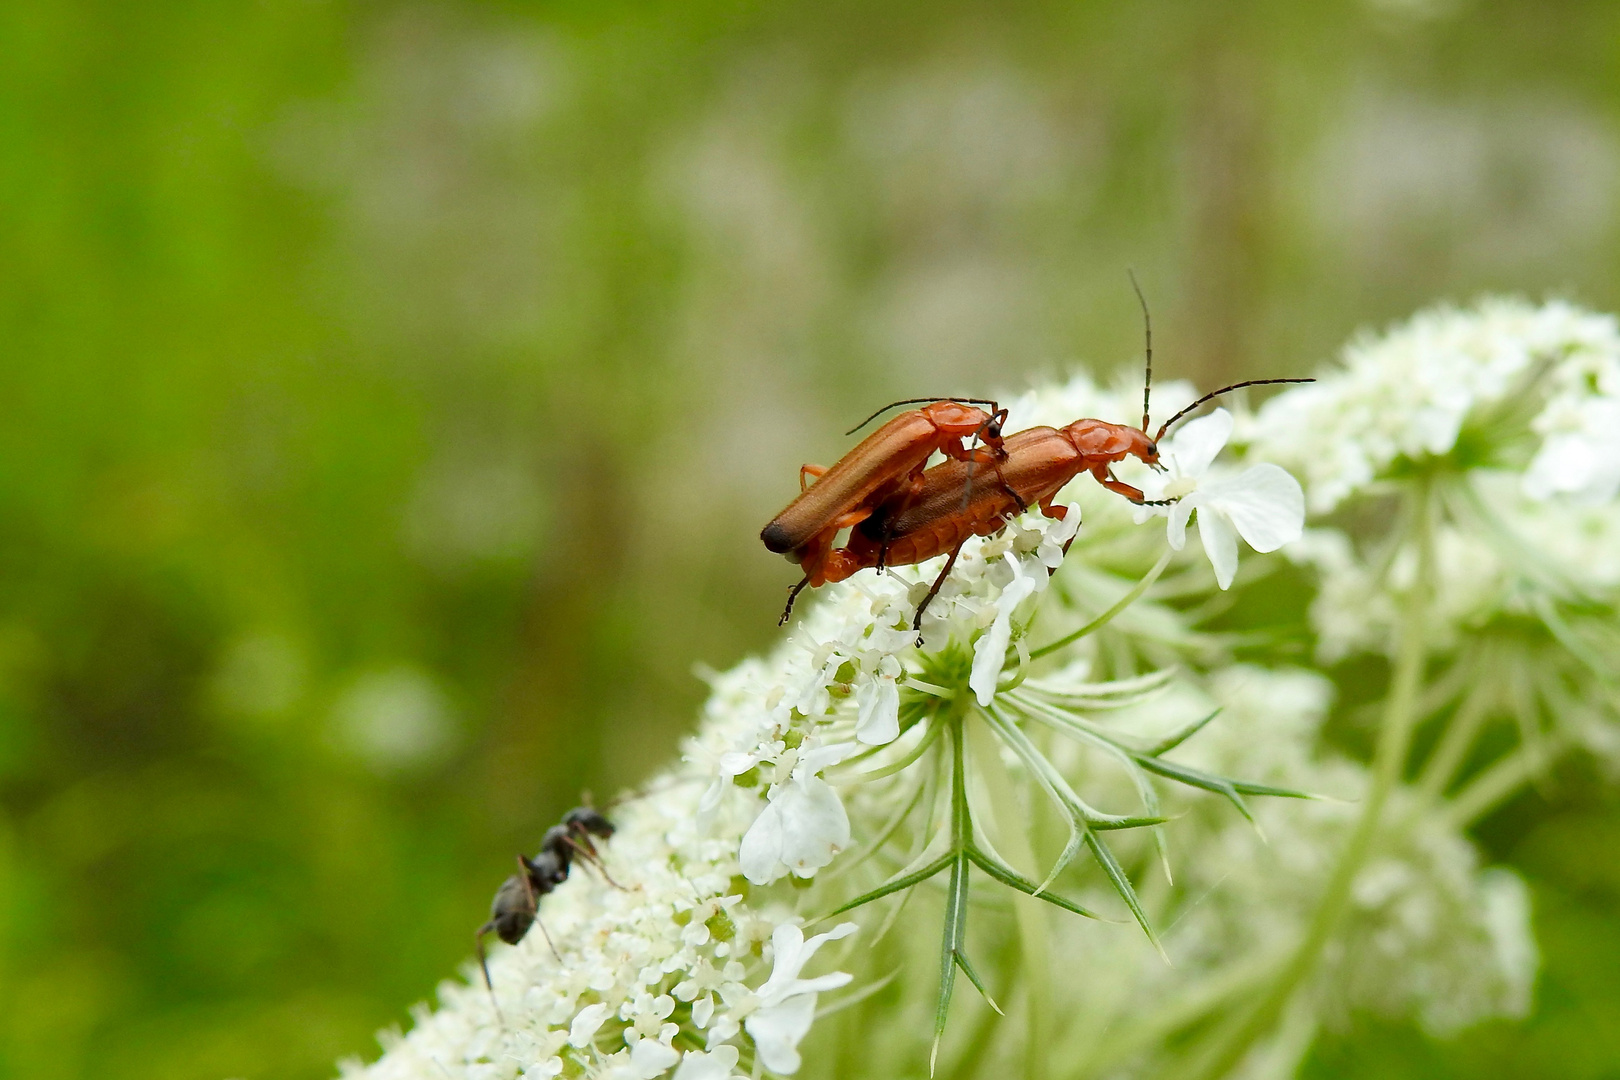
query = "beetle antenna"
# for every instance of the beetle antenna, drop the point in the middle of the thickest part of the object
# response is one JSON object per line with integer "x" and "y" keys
{"x": 920, "y": 401}
{"x": 1147, "y": 330}
{"x": 1212, "y": 395}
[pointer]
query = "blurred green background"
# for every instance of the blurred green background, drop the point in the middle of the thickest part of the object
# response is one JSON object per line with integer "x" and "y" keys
{"x": 391, "y": 393}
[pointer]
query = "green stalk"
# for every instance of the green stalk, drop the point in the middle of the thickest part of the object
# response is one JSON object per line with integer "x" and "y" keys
{"x": 1389, "y": 762}
{"x": 1106, "y": 617}
{"x": 1033, "y": 937}
{"x": 1486, "y": 791}
{"x": 1454, "y": 746}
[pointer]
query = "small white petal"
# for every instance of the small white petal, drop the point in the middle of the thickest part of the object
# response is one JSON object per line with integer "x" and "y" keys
{"x": 650, "y": 1058}
{"x": 816, "y": 826}
{"x": 1265, "y": 504}
{"x": 715, "y": 1065}
{"x": 703, "y": 1010}
{"x": 735, "y": 762}
{"x": 990, "y": 651}
{"x": 800, "y": 830}
{"x": 585, "y": 1025}
{"x": 760, "y": 853}
{"x": 816, "y": 758}
{"x": 879, "y": 721}
{"x": 1175, "y": 529}
{"x": 1195, "y": 445}
{"x": 790, "y": 952}
{"x": 712, "y": 796}
{"x": 1220, "y": 544}
{"x": 778, "y": 1029}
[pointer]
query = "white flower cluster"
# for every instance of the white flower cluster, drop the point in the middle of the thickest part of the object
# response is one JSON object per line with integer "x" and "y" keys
{"x": 1516, "y": 409}
{"x": 1410, "y": 393}
{"x": 655, "y": 971}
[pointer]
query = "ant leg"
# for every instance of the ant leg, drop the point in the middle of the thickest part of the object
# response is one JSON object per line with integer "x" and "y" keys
{"x": 939, "y": 582}
{"x": 478, "y": 942}
{"x": 793, "y": 594}
{"x": 547, "y": 935}
{"x": 589, "y": 856}
{"x": 815, "y": 471}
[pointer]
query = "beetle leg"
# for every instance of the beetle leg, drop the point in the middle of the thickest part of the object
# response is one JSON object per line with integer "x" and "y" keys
{"x": 793, "y": 594}
{"x": 1133, "y": 494}
{"x": 1105, "y": 477}
{"x": 939, "y": 582}
{"x": 815, "y": 471}
{"x": 894, "y": 506}
{"x": 990, "y": 454}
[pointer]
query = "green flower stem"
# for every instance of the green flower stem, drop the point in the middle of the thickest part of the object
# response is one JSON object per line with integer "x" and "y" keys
{"x": 1033, "y": 936}
{"x": 1466, "y": 723}
{"x": 1231, "y": 984}
{"x": 1106, "y": 617}
{"x": 1488, "y": 790}
{"x": 1401, "y": 712}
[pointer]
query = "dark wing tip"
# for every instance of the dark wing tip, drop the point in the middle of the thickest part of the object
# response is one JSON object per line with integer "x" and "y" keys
{"x": 777, "y": 538}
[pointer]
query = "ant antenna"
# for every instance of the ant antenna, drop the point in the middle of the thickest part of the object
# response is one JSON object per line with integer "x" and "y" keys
{"x": 919, "y": 401}
{"x": 1147, "y": 329}
{"x": 1212, "y": 395}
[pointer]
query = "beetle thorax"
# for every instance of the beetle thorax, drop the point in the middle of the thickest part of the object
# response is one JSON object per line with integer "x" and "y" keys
{"x": 1099, "y": 441}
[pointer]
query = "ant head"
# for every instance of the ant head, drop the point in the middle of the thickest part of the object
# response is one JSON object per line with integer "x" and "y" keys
{"x": 584, "y": 819}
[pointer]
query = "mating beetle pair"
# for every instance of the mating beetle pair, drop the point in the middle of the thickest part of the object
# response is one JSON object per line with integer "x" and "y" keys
{"x": 899, "y": 512}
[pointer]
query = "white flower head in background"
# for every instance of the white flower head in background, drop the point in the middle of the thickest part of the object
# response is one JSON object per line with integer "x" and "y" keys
{"x": 1263, "y": 504}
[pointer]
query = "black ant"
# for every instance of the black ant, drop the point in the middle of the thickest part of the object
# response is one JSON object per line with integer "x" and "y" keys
{"x": 517, "y": 902}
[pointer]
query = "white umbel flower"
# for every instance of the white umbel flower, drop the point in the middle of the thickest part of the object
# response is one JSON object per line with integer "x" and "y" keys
{"x": 1409, "y": 393}
{"x": 1263, "y": 504}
